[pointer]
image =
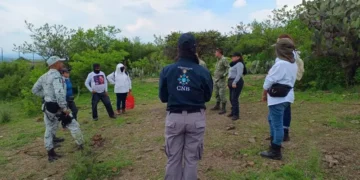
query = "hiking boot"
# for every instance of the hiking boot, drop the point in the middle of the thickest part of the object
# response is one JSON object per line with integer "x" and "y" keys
{"x": 123, "y": 111}
{"x": 223, "y": 109}
{"x": 58, "y": 140}
{"x": 216, "y": 107}
{"x": 95, "y": 119}
{"x": 286, "y": 135}
{"x": 52, "y": 156}
{"x": 273, "y": 153}
{"x": 235, "y": 118}
{"x": 113, "y": 117}
{"x": 118, "y": 112}
{"x": 230, "y": 115}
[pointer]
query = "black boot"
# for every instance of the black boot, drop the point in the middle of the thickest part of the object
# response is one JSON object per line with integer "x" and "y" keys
{"x": 52, "y": 156}
{"x": 216, "y": 107}
{"x": 235, "y": 118}
{"x": 273, "y": 153}
{"x": 286, "y": 135}
{"x": 223, "y": 109}
{"x": 58, "y": 140}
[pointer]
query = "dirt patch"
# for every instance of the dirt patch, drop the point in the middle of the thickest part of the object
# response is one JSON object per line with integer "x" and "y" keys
{"x": 97, "y": 141}
{"x": 225, "y": 151}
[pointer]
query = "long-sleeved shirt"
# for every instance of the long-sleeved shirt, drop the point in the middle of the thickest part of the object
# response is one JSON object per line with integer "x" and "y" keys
{"x": 96, "y": 82}
{"x": 185, "y": 85}
{"x": 221, "y": 69}
{"x": 283, "y": 72}
{"x": 121, "y": 81}
{"x": 69, "y": 90}
{"x": 51, "y": 87}
{"x": 236, "y": 72}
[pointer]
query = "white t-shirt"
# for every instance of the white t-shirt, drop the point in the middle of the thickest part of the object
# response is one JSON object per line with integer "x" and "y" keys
{"x": 96, "y": 82}
{"x": 283, "y": 72}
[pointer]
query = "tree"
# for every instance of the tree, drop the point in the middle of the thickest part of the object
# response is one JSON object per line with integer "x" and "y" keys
{"x": 48, "y": 40}
{"x": 100, "y": 38}
{"x": 336, "y": 26}
{"x": 207, "y": 42}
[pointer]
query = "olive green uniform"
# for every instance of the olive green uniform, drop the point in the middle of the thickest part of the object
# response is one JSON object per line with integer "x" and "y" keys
{"x": 221, "y": 71}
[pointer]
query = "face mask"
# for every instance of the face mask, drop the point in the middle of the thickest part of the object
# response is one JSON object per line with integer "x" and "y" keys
{"x": 122, "y": 69}
{"x": 96, "y": 71}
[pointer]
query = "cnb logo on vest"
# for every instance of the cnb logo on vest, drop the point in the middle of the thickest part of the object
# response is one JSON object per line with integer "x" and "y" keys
{"x": 183, "y": 81}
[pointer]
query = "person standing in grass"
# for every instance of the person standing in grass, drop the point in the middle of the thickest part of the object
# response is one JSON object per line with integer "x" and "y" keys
{"x": 121, "y": 79}
{"x": 97, "y": 85}
{"x": 236, "y": 83}
{"x": 300, "y": 72}
{"x": 220, "y": 74}
{"x": 279, "y": 93}
{"x": 69, "y": 92}
{"x": 51, "y": 87}
{"x": 185, "y": 86}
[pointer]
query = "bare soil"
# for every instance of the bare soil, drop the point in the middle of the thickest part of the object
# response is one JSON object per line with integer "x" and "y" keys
{"x": 225, "y": 151}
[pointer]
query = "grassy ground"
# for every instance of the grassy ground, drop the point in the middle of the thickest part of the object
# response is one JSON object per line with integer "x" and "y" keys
{"x": 325, "y": 130}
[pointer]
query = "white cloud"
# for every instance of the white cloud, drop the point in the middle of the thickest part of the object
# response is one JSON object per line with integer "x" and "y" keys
{"x": 289, "y": 3}
{"x": 142, "y": 18}
{"x": 141, "y": 23}
{"x": 261, "y": 15}
{"x": 239, "y": 3}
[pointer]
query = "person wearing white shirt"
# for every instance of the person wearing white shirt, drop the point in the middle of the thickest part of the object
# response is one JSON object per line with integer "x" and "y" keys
{"x": 96, "y": 83}
{"x": 122, "y": 82}
{"x": 300, "y": 72}
{"x": 283, "y": 73}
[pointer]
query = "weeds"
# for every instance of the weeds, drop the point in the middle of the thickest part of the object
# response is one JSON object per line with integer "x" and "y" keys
{"x": 89, "y": 166}
{"x": 5, "y": 117}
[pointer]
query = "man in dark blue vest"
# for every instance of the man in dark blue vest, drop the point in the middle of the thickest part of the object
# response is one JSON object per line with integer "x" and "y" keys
{"x": 185, "y": 86}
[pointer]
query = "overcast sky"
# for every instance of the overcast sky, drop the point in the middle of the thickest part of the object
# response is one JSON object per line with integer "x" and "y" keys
{"x": 142, "y": 18}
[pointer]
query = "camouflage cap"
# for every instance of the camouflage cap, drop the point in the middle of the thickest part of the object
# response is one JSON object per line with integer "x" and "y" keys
{"x": 53, "y": 59}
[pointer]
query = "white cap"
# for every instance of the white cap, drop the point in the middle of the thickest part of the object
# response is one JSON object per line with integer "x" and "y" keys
{"x": 53, "y": 59}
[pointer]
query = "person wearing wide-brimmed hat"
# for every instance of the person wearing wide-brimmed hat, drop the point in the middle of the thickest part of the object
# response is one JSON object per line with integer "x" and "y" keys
{"x": 279, "y": 85}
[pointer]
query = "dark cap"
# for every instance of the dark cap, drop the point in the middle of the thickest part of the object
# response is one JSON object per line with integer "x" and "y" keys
{"x": 236, "y": 54}
{"x": 187, "y": 42}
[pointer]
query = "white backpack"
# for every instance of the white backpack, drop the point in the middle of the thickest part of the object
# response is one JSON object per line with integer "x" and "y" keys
{"x": 300, "y": 64}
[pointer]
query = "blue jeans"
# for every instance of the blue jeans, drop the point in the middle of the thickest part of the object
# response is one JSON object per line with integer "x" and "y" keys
{"x": 287, "y": 117}
{"x": 276, "y": 121}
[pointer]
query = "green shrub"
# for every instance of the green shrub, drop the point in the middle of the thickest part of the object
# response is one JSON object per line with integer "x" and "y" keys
{"x": 322, "y": 74}
{"x": 88, "y": 166}
{"x": 13, "y": 78}
{"x": 82, "y": 64}
{"x": 5, "y": 117}
{"x": 31, "y": 103}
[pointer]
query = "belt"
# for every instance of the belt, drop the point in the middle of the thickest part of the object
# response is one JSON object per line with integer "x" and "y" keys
{"x": 188, "y": 111}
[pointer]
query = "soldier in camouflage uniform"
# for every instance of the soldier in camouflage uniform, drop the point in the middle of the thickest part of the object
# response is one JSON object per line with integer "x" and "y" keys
{"x": 220, "y": 74}
{"x": 52, "y": 88}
